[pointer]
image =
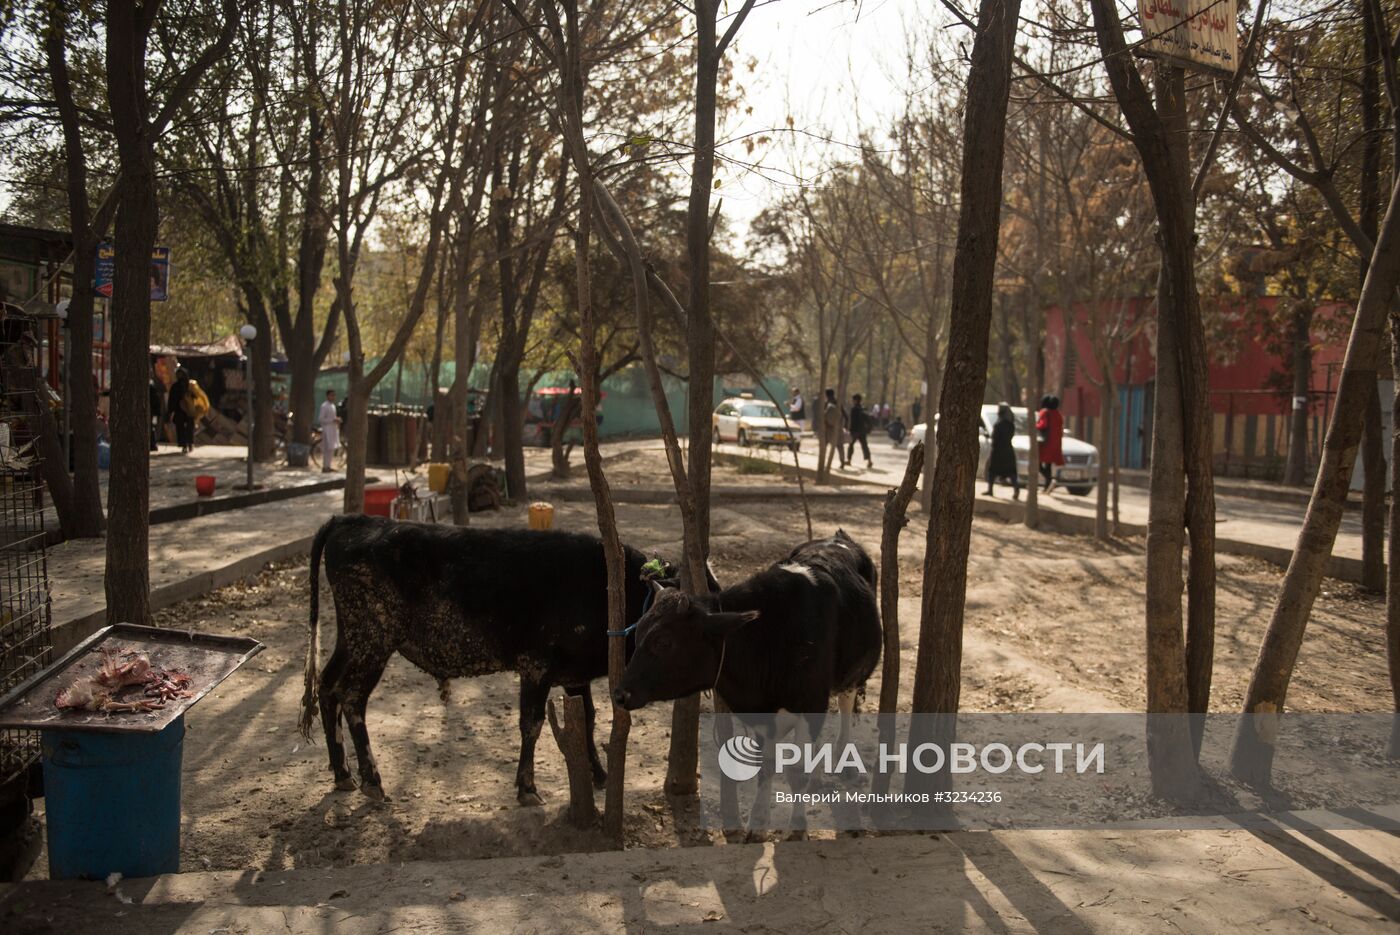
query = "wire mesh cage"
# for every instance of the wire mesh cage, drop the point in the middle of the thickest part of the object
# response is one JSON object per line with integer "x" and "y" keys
{"x": 25, "y": 609}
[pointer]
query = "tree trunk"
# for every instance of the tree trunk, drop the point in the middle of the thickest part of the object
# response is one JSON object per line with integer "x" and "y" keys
{"x": 571, "y": 734}
{"x": 1373, "y": 507}
{"x": 127, "y": 574}
{"x": 602, "y": 496}
{"x": 1173, "y": 768}
{"x": 682, "y": 763}
{"x": 558, "y": 453}
{"x": 356, "y": 429}
{"x": 304, "y": 355}
{"x": 1114, "y": 456}
{"x": 511, "y": 442}
{"x": 86, "y": 519}
{"x": 504, "y": 399}
{"x": 1295, "y": 470}
{"x": 464, "y": 336}
{"x": 1252, "y": 757}
{"x": 1194, "y": 388}
{"x": 895, "y": 519}
{"x": 1374, "y": 36}
{"x": 938, "y": 674}
{"x": 1035, "y": 365}
{"x": 442, "y": 417}
{"x": 261, "y": 353}
{"x": 933, "y": 378}
{"x": 1392, "y": 593}
{"x": 1178, "y": 438}
{"x": 1106, "y": 391}
{"x": 818, "y": 405}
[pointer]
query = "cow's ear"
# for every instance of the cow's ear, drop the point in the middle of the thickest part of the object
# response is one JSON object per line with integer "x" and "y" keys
{"x": 723, "y": 624}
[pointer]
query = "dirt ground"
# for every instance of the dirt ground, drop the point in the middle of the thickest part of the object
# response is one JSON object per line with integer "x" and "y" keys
{"x": 1054, "y": 624}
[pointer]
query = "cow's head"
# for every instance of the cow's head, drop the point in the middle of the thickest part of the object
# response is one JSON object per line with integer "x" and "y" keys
{"x": 680, "y": 644}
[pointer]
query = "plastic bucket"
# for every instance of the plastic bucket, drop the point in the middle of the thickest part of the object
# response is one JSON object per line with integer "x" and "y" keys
{"x": 437, "y": 477}
{"x": 541, "y": 515}
{"x": 204, "y": 485}
{"x": 112, "y": 802}
{"x": 377, "y": 500}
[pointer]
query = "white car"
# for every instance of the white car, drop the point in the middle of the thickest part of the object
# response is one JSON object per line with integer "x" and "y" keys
{"x": 750, "y": 421}
{"x": 1078, "y": 474}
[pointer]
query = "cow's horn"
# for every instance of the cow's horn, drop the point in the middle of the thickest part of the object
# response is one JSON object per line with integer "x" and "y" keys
{"x": 656, "y": 586}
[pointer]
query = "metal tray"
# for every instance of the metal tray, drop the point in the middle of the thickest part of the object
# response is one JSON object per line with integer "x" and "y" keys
{"x": 207, "y": 658}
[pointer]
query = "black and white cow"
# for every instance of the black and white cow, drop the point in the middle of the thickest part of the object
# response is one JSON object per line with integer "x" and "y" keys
{"x": 459, "y": 602}
{"x": 782, "y": 643}
{"x": 787, "y": 639}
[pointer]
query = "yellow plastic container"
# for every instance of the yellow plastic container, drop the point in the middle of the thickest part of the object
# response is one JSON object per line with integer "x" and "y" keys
{"x": 437, "y": 477}
{"x": 541, "y": 515}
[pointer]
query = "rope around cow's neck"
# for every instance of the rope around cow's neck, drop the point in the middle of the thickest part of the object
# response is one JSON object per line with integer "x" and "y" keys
{"x": 723, "y": 645}
{"x": 627, "y": 630}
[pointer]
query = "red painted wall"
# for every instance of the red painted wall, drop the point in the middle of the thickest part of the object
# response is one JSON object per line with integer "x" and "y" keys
{"x": 1240, "y": 370}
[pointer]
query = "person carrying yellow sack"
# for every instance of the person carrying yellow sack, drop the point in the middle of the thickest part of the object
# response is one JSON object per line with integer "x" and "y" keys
{"x": 186, "y": 405}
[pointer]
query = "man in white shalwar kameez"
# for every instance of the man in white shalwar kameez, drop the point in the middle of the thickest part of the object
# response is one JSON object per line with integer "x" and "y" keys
{"x": 330, "y": 430}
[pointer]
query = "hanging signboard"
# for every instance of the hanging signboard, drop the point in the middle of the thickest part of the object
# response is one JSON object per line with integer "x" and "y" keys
{"x": 106, "y": 269}
{"x": 107, "y": 266}
{"x": 1198, "y": 34}
{"x": 160, "y": 274}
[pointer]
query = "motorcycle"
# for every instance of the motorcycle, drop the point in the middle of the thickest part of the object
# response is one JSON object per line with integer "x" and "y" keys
{"x": 899, "y": 435}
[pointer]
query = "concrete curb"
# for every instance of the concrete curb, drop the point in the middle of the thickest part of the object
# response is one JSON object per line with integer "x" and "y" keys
{"x": 193, "y": 508}
{"x": 1340, "y": 567}
{"x": 67, "y": 633}
{"x": 837, "y": 480}
{"x": 1234, "y": 487}
{"x": 665, "y": 495}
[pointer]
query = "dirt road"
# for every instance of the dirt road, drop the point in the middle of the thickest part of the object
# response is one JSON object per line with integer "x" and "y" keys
{"x": 1053, "y": 624}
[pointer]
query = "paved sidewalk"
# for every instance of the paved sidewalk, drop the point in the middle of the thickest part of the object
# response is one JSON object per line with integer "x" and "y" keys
{"x": 1298, "y": 878}
{"x": 188, "y": 558}
{"x": 173, "y": 474}
{"x": 1262, "y": 528}
{"x": 193, "y": 556}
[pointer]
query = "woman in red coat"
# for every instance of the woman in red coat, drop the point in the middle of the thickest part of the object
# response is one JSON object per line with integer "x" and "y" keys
{"x": 1051, "y": 426}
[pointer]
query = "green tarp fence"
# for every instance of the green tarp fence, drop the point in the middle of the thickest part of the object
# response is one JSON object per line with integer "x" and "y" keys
{"x": 627, "y": 406}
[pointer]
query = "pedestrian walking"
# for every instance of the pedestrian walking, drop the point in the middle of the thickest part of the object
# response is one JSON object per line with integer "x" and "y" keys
{"x": 897, "y": 431}
{"x": 1051, "y": 426}
{"x": 156, "y": 399}
{"x": 917, "y": 409}
{"x": 860, "y": 428}
{"x": 177, "y": 406}
{"x": 832, "y": 419}
{"x": 329, "y": 417}
{"x": 1001, "y": 461}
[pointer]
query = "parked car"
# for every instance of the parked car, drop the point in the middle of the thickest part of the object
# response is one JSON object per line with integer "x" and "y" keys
{"x": 1078, "y": 474}
{"x": 750, "y": 421}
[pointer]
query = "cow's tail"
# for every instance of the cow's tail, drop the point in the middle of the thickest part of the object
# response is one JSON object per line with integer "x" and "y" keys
{"x": 309, "y": 699}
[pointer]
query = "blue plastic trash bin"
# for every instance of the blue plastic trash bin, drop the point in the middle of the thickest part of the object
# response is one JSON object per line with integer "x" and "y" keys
{"x": 112, "y": 802}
